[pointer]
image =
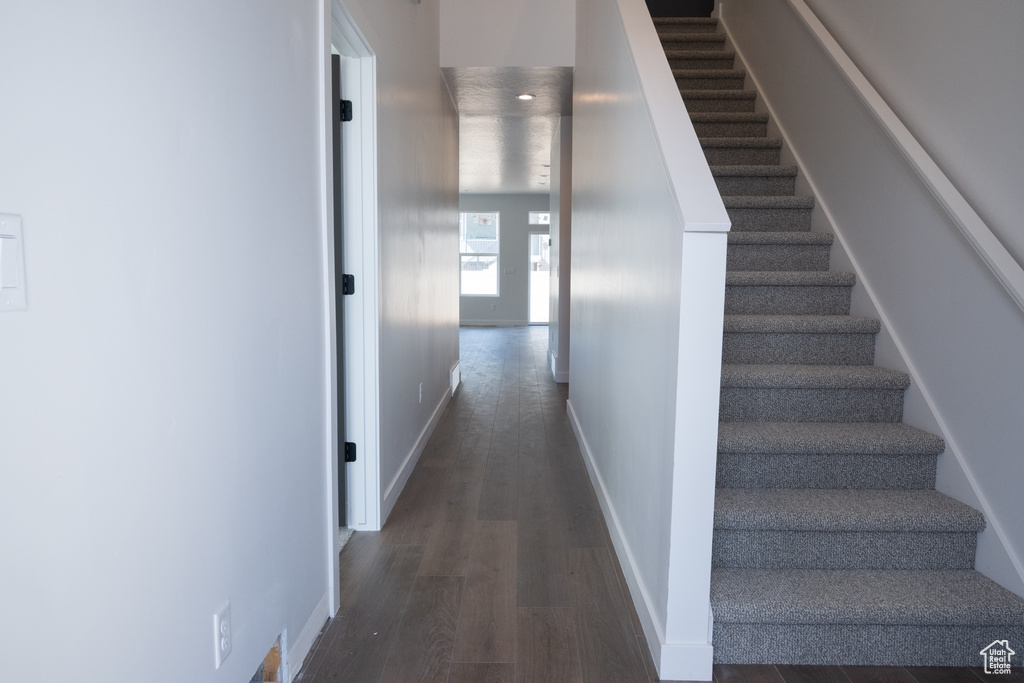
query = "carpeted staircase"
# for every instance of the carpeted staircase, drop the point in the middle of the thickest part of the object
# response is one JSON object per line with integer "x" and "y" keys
{"x": 831, "y": 545}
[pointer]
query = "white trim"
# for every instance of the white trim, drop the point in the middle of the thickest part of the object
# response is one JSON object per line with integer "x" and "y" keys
{"x": 561, "y": 376}
{"x": 362, "y": 344}
{"x": 911, "y": 369}
{"x": 307, "y": 637}
{"x": 455, "y": 377}
{"x": 674, "y": 661}
{"x": 398, "y": 483}
{"x": 330, "y": 330}
{"x": 698, "y": 201}
{"x": 993, "y": 253}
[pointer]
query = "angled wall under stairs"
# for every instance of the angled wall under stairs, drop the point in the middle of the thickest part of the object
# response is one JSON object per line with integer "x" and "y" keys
{"x": 831, "y": 545}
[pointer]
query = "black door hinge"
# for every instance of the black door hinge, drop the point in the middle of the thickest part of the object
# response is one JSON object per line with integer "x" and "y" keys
{"x": 348, "y": 284}
{"x": 350, "y": 452}
{"x": 346, "y": 110}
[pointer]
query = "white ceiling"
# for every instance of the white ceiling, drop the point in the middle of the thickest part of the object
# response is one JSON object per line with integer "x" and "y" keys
{"x": 504, "y": 142}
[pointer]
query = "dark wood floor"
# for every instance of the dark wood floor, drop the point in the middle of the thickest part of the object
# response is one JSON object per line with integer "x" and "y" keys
{"x": 495, "y": 565}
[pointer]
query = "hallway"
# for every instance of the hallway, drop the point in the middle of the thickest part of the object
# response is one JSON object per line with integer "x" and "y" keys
{"x": 495, "y": 564}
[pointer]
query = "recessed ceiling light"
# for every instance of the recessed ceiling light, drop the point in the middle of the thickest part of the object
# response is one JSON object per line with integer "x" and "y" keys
{"x": 524, "y": 96}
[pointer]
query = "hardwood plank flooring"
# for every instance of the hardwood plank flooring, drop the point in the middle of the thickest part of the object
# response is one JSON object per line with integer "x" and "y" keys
{"x": 812, "y": 674}
{"x": 422, "y": 649}
{"x": 482, "y": 673}
{"x": 412, "y": 518}
{"x": 362, "y": 639}
{"x": 747, "y": 673}
{"x": 608, "y": 646}
{"x": 487, "y": 623}
{"x": 878, "y": 674}
{"x": 449, "y": 549}
{"x": 546, "y": 642}
{"x": 496, "y": 566}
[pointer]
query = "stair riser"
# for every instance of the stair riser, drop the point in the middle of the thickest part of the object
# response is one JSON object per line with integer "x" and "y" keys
{"x": 791, "y": 471}
{"x": 719, "y": 105}
{"x": 743, "y": 129}
{"x": 770, "y": 220}
{"x": 798, "y": 349}
{"x": 742, "y": 156}
{"x": 795, "y": 300}
{"x": 854, "y": 644}
{"x": 774, "y": 549}
{"x": 695, "y": 41}
{"x": 745, "y": 404}
{"x": 743, "y": 185}
{"x": 723, "y": 82}
{"x": 684, "y": 28}
{"x": 777, "y": 257}
{"x": 723, "y": 61}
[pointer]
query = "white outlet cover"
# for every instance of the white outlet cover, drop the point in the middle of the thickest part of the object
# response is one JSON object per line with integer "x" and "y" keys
{"x": 12, "y": 264}
{"x": 221, "y": 634}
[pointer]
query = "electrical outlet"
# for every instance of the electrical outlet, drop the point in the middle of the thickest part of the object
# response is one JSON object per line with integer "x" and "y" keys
{"x": 421, "y": 392}
{"x": 221, "y": 634}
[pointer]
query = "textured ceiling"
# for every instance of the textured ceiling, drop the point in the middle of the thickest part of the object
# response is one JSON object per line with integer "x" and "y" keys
{"x": 504, "y": 142}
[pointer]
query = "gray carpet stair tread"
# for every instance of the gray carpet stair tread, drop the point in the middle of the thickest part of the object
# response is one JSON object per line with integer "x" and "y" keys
{"x": 767, "y": 202}
{"x": 801, "y": 324}
{"x": 797, "y": 237}
{"x": 788, "y": 278}
{"x": 861, "y": 438}
{"x": 915, "y": 597}
{"x": 718, "y": 94}
{"x": 742, "y": 143}
{"x": 813, "y": 377}
{"x": 667, "y": 35}
{"x": 728, "y": 117}
{"x": 759, "y": 171}
{"x": 709, "y": 73}
{"x": 699, "y": 54}
{"x": 843, "y": 510}
{"x": 685, "y": 21}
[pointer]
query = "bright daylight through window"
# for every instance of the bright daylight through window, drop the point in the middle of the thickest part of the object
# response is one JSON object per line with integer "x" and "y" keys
{"x": 478, "y": 247}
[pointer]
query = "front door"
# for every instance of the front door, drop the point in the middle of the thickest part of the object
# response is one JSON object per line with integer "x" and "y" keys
{"x": 540, "y": 278}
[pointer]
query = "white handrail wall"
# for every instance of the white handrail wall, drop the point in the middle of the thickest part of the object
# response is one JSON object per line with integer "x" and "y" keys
{"x": 926, "y": 263}
{"x": 1003, "y": 266}
{"x": 648, "y": 268}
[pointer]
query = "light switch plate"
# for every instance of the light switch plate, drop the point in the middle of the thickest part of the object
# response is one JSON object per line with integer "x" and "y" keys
{"x": 12, "y": 264}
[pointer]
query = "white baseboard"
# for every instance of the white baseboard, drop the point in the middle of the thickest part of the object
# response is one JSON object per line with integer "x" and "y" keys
{"x": 398, "y": 483}
{"x": 297, "y": 653}
{"x": 561, "y": 376}
{"x": 674, "y": 661}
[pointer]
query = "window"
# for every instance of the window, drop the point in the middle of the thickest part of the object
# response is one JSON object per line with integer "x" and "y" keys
{"x": 478, "y": 253}
{"x": 540, "y": 218}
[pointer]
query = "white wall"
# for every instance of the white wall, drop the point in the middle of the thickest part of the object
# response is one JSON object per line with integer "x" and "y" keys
{"x": 648, "y": 260}
{"x": 417, "y": 180}
{"x": 511, "y": 306}
{"x": 508, "y": 32}
{"x": 946, "y": 318}
{"x": 561, "y": 248}
{"x": 163, "y": 405}
{"x": 953, "y": 73}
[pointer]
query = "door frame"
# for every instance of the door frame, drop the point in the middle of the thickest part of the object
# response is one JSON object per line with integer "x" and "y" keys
{"x": 361, "y": 328}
